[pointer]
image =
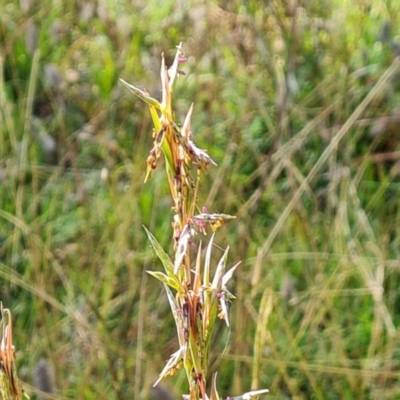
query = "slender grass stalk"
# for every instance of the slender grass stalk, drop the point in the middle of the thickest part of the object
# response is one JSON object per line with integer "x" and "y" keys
{"x": 196, "y": 299}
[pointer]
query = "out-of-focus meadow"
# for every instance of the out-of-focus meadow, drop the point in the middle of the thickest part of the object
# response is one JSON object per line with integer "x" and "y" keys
{"x": 275, "y": 84}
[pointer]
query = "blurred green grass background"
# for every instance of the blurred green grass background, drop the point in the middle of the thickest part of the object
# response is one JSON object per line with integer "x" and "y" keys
{"x": 273, "y": 82}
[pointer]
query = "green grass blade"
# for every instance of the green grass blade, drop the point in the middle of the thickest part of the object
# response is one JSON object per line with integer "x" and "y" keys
{"x": 142, "y": 95}
{"x": 165, "y": 279}
{"x": 161, "y": 254}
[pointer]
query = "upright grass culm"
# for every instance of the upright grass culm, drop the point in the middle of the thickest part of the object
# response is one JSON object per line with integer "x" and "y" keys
{"x": 196, "y": 299}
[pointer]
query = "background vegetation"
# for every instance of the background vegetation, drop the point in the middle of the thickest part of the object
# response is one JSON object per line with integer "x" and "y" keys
{"x": 274, "y": 84}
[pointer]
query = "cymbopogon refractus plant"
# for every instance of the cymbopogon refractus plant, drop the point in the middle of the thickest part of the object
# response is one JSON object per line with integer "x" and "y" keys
{"x": 196, "y": 298}
{"x": 10, "y": 386}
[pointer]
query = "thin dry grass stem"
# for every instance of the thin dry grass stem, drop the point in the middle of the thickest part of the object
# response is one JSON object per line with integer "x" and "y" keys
{"x": 376, "y": 92}
{"x": 373, "y": 279}
{"x": 262, "y": 334}
{"x": 196, "y": 298}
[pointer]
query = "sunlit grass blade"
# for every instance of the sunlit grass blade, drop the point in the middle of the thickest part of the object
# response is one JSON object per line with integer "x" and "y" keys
{"x": 155, "y": 118}
{"x": 228, "y": 275}
{"x": 186, "y": 127}
{"x": 219, "y": 273}
{"x": 177, "y": 313}
{"x": 142, "y": 94}
{"x": 161, "y": 254}
{"x": 173, "y": 365}
{"x": 250, "y": 395}
{"x": 207, "y": 262}
{"x": 165, "y": 279}
{"x": 173, "y": 71}
{"x": 197, "y": 275}
{"x": 214, "y": 393}
{"x": 183, "y": 243}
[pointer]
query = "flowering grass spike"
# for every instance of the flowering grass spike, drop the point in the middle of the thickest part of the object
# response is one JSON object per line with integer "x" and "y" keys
{"x": 196, "y": 299}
